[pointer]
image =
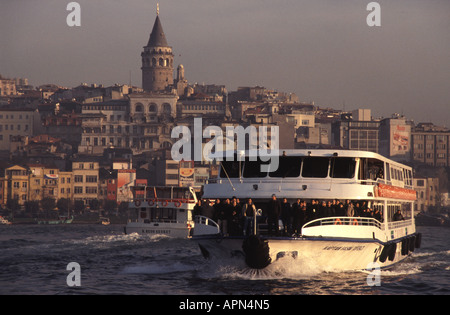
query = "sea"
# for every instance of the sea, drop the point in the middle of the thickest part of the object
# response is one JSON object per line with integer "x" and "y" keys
{"x": 101, "y": 260}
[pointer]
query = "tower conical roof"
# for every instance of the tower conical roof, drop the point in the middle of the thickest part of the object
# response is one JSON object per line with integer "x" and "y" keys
{"x": 157, "y": 37}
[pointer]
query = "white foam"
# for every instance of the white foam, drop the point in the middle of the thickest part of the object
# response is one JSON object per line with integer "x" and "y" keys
{"x": 286, "y": 267}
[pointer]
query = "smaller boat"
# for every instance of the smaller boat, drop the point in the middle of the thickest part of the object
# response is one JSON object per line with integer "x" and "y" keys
{"x": 168, "y": 211}
{"x": 104, "y": 221}
{"x": 4, "y": 221}
{"x": 60, "y": 220}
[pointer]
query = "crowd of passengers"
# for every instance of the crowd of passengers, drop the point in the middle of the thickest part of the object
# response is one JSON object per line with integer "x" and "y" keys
{"x": 236, "y": 218}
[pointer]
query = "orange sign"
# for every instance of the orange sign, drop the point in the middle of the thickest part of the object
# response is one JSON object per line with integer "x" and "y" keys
{"x": 388, "y": 191}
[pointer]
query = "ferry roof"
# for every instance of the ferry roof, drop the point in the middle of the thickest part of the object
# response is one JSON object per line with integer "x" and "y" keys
{"x": 315, "y": 152}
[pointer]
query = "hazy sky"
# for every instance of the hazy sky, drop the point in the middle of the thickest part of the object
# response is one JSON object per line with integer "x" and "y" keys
{"x": 322, "y": 50}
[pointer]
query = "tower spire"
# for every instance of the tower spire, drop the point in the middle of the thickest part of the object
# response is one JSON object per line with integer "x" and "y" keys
{"x": 157, "y": 8}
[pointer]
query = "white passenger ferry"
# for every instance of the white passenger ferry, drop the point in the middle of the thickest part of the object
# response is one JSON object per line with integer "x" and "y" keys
{"x": 337, "y": 243}
{"x": 166, "y": 211}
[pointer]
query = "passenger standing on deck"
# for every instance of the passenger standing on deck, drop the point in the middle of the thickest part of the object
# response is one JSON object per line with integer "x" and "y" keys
{"x": 198, "y": 208}
{"x": 313, "y": 210}
{"x": 298, "y": 217}
{"x": 208, "y": 208}
{"x": 234, "y": 219}
{"x": 286, "y": 214}
{"x": 377, "y": 215}
{"x": 273, "y": 214}
{"x": 358, "y": 210}
{"x": 341, "y": 212}
{"x": 248, "y": 212}
{"x": 350, "y": 210}
{"x": 219, "y": 215}
{"x": 227, "y": 215}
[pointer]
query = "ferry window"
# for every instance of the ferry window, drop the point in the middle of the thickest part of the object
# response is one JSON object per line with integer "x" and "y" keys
{"x": 388, "y": 172}
{"x": 342, "y": 168}
{"x": 252, "y": 169}
{"x": 371, "y": 169}
{"x": 315, "y": 167}
{"x": 230, "y": 168}
{"x": 288, "y": 166}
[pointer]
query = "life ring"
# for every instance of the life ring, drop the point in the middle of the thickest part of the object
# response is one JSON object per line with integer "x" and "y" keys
{"x": 164, "y": 203}
{"x": 137, "y": 203}
{"x": 337, "y": 221}
{"x": 355, "y": 222}
{"x": 177, "y": 203}
{"x": 151, "y": 202}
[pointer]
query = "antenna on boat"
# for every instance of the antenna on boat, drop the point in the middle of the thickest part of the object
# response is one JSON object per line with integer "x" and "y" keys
{"x": 231, "y": 184}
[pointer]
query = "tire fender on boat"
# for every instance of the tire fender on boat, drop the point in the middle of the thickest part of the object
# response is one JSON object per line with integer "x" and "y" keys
{"x": 405, "y": 247}
{"x": 412, "y": 243}
{"x": 256, "y": 252}
{"x": 392, "y": 250}
{"x": 418, "y": 240}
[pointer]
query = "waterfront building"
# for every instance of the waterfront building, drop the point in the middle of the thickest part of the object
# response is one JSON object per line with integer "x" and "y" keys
{"x": 431, "y": 145}
{"x": 17, "y": 183}
{"x": 85, "y": 172}
{"x": 17, "y": 122}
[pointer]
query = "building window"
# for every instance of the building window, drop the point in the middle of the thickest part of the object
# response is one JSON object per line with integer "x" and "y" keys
{"x": 91, "y": 190}
{"x": 91, "y": 179}
{"x": 78, "y": 178}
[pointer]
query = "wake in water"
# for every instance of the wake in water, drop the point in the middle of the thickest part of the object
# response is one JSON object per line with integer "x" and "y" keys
{"x": 133, "y": 237}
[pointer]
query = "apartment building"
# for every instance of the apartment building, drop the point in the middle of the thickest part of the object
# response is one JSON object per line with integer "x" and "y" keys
{"x": 431, "y": 145}
{"x": 427, "y": 193}
{"x": 85, "y": 172}
{"x": 17, "y": 122}
{"x": 17, "y": 183}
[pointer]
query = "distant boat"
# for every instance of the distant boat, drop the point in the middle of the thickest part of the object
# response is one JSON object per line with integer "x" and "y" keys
{"x": 424, "y": 219}
{"x": 4, "y": 221}
{"x": 61, "y": 220}
{"x": 168, "y": 211}
{"x": 104, "y": 221}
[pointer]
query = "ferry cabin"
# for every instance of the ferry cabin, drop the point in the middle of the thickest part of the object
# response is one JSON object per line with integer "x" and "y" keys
{"x": 384, "y": 184}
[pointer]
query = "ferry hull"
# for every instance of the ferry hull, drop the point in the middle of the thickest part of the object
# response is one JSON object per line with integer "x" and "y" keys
{"x": 331, "y": 255}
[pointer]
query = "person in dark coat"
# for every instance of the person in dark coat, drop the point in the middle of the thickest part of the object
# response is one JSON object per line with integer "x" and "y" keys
{"x": 286, "y": 214}
{"x": 398, "y": 216}
{"x": 248, "y": 212}
{"x": 312, "y": 210}
{"x": 198, "y": 209}
{"x": 273, "y": 215}
{"x": 234, "y": 218}
{"x": 298, "y": 216}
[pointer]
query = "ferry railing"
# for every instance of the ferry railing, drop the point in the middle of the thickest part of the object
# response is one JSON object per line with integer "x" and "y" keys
{"x": 199, "y": 219}
{"x": 399, "y": 224}
{"x": 353, "y": 221}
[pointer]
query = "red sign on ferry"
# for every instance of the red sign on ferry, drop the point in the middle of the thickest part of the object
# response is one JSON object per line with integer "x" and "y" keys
{"x": 388, "y": 191}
